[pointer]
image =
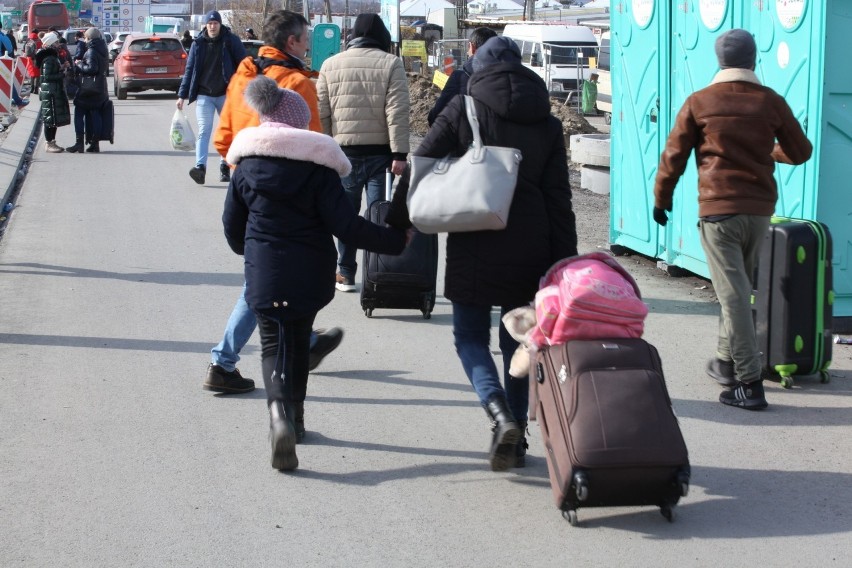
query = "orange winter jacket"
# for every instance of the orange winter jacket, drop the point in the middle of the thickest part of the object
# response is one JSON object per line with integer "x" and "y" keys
{"x": 236, "y": 114}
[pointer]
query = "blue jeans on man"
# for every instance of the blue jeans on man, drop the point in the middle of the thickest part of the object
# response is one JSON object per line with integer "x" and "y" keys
{"x": 472, "y": 334}
{"x": 367, "y": 172}
{"x": 205, "y": 113}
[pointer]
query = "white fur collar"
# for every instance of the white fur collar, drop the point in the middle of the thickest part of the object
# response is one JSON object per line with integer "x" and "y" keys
{"x": 735, "y": 74}
{"x": 277, "y": 140}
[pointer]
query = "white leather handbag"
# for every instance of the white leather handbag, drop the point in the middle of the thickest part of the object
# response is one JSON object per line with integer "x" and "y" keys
{"x": 471, "y": 193}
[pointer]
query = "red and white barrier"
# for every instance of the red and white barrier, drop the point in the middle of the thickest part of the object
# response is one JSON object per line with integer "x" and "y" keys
{"x": 7, "y": 65}
{"x": 20, "y": 75}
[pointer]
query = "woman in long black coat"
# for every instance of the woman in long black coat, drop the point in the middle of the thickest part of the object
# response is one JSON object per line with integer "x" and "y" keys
{"x": 503, "y": 268}
{"x": 55, "y": 111}
{"x": 92, "y": 93}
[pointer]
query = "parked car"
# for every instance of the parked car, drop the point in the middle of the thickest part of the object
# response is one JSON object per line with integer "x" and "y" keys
{"x": 252, "y": 46}
{"x": 115, "y": 45}
{"x": 148, "y": 61}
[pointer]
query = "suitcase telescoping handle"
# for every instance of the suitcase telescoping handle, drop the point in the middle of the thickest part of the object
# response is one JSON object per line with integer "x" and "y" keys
{"x": 388, "y": 184}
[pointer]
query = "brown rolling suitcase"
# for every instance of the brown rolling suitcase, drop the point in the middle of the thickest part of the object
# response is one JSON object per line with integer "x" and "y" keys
{"x": 609, "y": 431}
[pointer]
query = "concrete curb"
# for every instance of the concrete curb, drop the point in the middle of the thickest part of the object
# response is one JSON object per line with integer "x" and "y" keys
{"x": 16, "y": 151}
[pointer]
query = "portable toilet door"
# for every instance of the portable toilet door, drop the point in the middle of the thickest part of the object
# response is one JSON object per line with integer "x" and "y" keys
{"x": 803, "y": 55}
{"x": 695, "y": 26}
{"x": 325, "y": 42}
{"x": 636, "y": 61}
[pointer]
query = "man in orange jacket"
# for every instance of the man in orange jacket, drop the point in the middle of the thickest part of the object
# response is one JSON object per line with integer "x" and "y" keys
{"x": 285, "y": 35}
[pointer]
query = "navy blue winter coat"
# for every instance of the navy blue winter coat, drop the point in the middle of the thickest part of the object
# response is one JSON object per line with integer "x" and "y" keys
{"x": 284, "y": 203}
{"x": 232, "y": 53}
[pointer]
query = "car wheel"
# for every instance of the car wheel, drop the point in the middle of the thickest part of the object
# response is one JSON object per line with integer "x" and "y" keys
{"x": 120, "y": 94}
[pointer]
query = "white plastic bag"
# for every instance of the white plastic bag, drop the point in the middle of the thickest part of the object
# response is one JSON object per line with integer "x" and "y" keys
{"x": 181, "y": 134}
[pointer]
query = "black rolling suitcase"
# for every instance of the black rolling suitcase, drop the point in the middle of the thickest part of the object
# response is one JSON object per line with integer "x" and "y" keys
{"x": 609, "y": 431}
{"x": 107, "y": 133}
{"x": 406, "y": 281}
{"x": 108, "y": 122}
{"x": 792, "y": 300}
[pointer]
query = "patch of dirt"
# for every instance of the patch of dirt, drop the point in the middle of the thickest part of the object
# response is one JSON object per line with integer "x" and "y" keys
{"x": 423, "y": 94}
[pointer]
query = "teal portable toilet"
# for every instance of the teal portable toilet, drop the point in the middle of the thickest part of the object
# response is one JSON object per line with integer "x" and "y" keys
{"x": 662, "y": 52}
{"x": 325, "y": 42}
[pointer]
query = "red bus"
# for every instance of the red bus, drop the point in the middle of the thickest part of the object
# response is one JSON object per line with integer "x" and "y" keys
{"x": 46, "y": 13}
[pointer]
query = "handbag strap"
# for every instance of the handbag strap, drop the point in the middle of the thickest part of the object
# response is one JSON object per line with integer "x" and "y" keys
{"x": 473, "y": 120}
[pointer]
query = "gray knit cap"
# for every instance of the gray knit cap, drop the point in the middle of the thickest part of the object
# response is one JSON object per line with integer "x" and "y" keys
{"x": 736, "y": 48}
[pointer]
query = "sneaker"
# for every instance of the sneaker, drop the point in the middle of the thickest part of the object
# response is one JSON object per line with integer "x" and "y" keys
{"x": 745, "y": 395}
{"x": 197, "y": 174}
{"x": 327, "y": 341}
{"x": 224, "y": 172}
{"x": 344, "y": 284}
{"x": 722, "y": 372}
{"x": 220, "y": 380}
{"x": 21, "y": 104}
{"x": 53, "y": 147}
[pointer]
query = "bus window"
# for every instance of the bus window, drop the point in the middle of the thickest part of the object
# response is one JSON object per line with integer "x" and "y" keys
{"x": 45, "y": 14}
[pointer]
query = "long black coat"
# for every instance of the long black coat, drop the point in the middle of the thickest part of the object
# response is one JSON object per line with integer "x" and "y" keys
{"x": 501, "y": 268}
{"x": 95, "y": 63}
{"x": 284, "y": 203}
{"x": 55, "y": 111}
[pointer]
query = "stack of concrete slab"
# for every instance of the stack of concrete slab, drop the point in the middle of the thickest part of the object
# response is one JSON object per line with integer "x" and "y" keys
{"x": 591, "y": 153}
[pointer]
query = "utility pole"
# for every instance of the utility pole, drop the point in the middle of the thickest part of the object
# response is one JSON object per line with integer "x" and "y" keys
{"x": 265, "y": 11}
{"x": 328, "y": 10}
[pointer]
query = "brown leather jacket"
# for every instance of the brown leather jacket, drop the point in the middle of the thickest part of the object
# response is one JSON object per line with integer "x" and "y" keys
{"x": 733, "y": 125}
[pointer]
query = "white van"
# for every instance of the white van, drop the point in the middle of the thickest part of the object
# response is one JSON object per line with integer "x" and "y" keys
{"x": 604, "y": 103}
{"x": 559, "y": 53}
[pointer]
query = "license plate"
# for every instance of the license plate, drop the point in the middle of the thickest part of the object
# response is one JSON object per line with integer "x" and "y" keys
{"x": 156, "y": 70}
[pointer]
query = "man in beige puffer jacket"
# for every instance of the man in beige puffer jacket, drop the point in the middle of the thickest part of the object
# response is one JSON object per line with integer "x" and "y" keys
{"x": 364, "y": 105}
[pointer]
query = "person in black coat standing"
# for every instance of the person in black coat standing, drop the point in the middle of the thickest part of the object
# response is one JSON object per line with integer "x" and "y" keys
{"x": 457, "y": 82}
{"x": 92, "y": 92}
{"x": 503, "y": 268}
{"x": 284, "y": 205}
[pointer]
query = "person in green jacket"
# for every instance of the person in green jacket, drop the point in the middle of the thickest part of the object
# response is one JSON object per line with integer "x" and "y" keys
{"x": 55, "y": 110}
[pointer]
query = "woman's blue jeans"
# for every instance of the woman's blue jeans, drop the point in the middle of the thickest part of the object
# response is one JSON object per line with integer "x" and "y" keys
{"x": 472, "y": 333}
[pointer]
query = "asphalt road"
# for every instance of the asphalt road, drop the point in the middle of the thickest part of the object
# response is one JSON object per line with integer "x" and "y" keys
{"x": 116, "y": 281}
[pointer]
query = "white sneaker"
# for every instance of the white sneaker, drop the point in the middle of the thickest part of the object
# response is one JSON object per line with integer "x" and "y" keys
{"x": 344, "y": 284}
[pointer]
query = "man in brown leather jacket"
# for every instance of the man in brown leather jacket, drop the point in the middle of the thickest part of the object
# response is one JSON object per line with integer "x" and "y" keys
{"x": 738, "y": 129}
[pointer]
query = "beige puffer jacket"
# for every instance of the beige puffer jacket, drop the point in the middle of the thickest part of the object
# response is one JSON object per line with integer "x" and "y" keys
{"x": 363, "y": 99}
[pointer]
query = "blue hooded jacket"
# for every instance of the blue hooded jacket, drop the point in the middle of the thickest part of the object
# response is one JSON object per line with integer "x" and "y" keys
{"x": 232, "y": 53}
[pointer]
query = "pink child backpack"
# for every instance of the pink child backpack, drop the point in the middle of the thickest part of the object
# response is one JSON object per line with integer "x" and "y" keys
{"x": 587, "y": 297}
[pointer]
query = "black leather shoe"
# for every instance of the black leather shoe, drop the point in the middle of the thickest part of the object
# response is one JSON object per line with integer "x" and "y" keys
{"x": 197, "y": 174}
{"x": 220, "y": 380}
{"x": 224, "y": 172}
{"x": 327, "y": 341}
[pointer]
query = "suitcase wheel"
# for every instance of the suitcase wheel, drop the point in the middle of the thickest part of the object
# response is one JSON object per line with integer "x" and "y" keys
{"x": 368, "y": 312}
{"x": 668, "y": 512}
{"x": 787, "y": 382}
{"x": 570, "y": 515}
{"x": 824, "y": 377}
{"x": 427, "y": 315}
{"x": 427, "y": 307}
{"x": 581, "y": 486}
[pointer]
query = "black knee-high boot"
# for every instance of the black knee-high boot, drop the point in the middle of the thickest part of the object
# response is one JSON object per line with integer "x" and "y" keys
{"x": 282, "y": 433}
{"x": 507, "y": 433}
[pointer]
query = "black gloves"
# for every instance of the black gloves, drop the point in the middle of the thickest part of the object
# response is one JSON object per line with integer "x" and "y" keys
{"x": 660, "y": 216}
